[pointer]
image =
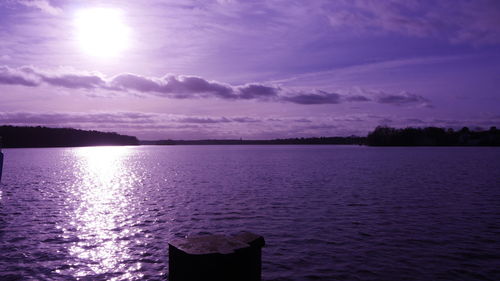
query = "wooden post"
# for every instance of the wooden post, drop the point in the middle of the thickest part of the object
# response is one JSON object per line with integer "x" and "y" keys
{"x": 1, "y": 165}
{"x": 1, "y": 160}
{"x": 216, "y": 257}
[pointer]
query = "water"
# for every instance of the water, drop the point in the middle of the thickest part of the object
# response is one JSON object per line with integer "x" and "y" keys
{"x": 327, "y": 212}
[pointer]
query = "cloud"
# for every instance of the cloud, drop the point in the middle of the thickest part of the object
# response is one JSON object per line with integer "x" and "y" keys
{"x": 114, "y": 118}
{"x": 75, "y": 81}
{"x": 163, "y": 126}
{"x": 357, "y": 98}
{"x": 187, "y": 86}
{"x": 29, "y": 76}
{"x": 245, "y": 120}
{"x": 459, "y": 21}
{"x": 211, "y": 120}
{"x": 302, "y": 120}
{"x": 192, "y": 87}
{"x": 184, "y": 87}
{"x": 173, "y": 86}
{"x": 11, "y": 76}
{"x": 42, "y": 5}
{"x": 27, "y": 118}
{"x": 319, "y": 98}
{"x": 135, "y": 82}
{"x": 203, "y": 120}
{"x": 403, "y": 99}
{"x": 257, "y": 91}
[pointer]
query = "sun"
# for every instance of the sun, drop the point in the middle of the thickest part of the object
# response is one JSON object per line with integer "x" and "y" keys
{"x": 102, "y": 32}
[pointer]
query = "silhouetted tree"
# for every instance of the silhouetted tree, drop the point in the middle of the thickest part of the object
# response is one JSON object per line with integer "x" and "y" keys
{"x": 60, "y": 137}
{"x": 432, "y": 136}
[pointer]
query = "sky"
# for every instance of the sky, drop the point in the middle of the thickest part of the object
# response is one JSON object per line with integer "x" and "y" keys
{"x": 251, "y": 69}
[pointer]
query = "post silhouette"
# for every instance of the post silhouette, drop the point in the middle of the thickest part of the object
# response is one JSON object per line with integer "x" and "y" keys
{"x": 216, "y": 257}
{"x": 1, "y": 160}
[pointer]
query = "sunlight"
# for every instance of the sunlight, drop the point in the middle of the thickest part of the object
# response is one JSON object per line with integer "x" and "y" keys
{"x": 102, "y": 32}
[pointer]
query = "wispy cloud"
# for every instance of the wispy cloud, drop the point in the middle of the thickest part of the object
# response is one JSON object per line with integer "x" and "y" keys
{"x": 460, "y": 21}
{"x": 157, "y": 125}
{"x": 60, "y": 119}
{"x": 43, "y": 5}
{"x": 212, "y": 120}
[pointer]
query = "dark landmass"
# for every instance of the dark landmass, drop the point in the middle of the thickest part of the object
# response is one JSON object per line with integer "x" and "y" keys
{"x": 16, "y": 137}
{"x": 322, "y": 140}
{"x": 433, "y": 136}
{"x": 381, "y": 136}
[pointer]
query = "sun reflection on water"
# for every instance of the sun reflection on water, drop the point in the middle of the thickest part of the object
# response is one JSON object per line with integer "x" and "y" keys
{"x": 102, "y": 213}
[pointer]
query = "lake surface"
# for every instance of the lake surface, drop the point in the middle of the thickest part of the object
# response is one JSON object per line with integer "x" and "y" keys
{"x": 326, "y": 212}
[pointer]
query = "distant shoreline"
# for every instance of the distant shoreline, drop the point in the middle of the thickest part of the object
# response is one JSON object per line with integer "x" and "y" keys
{"x": 352, "y": 140}
{"x": 43, "y": 137}
{"x": 360, "y": 145}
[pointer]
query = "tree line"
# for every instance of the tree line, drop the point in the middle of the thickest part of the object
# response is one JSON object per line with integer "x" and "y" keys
{"x": 13, "y": 136}
{"x": 433, "y": 136}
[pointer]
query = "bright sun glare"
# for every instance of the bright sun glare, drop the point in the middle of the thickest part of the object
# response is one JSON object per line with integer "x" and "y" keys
{"x": 102, "y": 32}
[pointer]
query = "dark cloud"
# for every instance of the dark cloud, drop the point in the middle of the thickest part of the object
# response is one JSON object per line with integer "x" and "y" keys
{"x": 257, "y": 91}
{"x": 29, "y": 76}
{"x": 245, "y": 120}
{"x": 192, "y": 85}
{"x": 74, "y": 81}
{"x": 172, "y": 86}
{"x": 403, "y": 99}
{"x": 357, "y": 98}
{"x": 11, "y": 76}
{"x": 183, "y": 87}
{"x": 203, "y": 120}
{"x": 134, "y": 82}
{"x": 302, "y": 120}
{"x": 318, "y": 98}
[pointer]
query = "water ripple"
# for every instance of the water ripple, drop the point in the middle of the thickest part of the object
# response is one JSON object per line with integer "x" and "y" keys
{"x": 327, "y": 213}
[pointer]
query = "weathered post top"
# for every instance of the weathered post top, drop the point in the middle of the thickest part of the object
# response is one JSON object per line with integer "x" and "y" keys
{"x": 216, "y": 257}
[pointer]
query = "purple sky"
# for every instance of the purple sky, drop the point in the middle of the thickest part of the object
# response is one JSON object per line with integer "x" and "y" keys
{"x": 254, "y": 69}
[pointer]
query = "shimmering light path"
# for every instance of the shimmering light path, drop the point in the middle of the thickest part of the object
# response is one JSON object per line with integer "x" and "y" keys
{"x": 102, "y": 214}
